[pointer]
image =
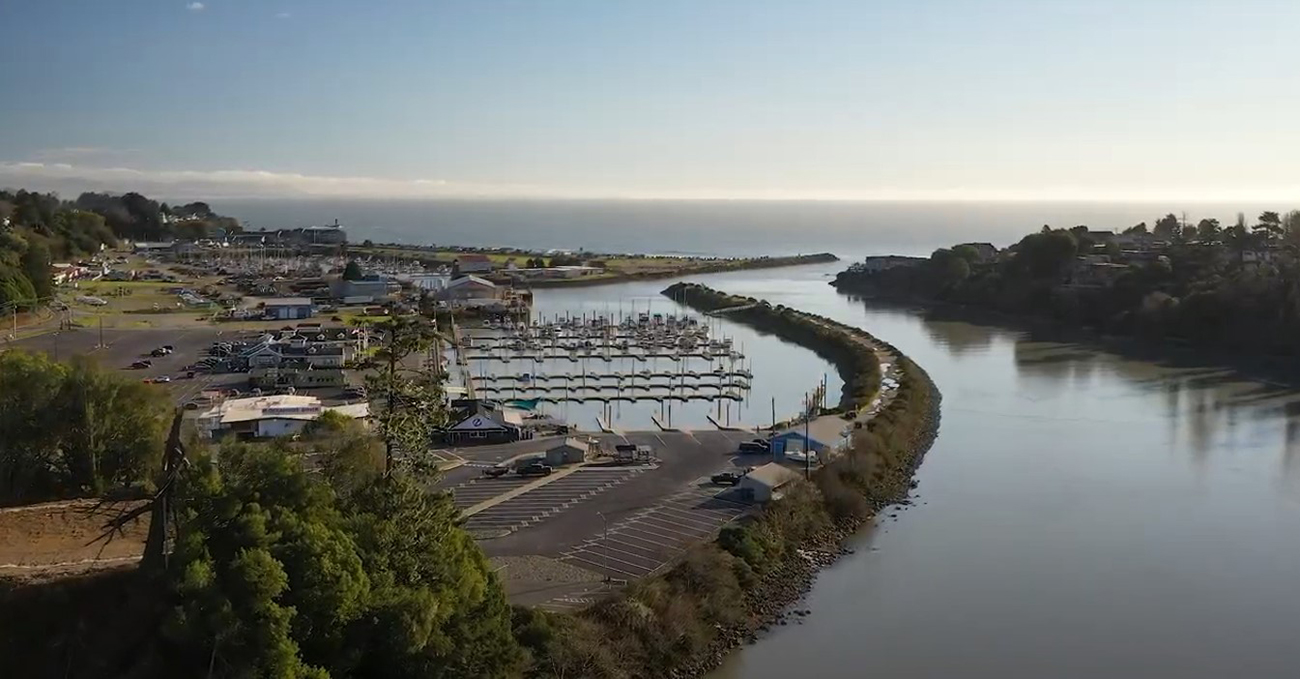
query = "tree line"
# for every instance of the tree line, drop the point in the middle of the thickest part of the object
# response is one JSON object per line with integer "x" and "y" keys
{"x": 1196, "y": 284}
{"x": 38, "y": 229}
{"x": 74, "y": 430}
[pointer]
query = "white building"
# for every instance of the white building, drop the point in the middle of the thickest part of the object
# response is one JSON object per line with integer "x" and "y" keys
{"x": 270, "y": 416}
{"x": 287, "y": 308}
{"x": 765, "y": 483}
{"x": 470, "y": 287}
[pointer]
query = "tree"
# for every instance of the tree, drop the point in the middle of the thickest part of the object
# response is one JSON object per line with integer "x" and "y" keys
{"x": 1208, "y": 230}
{"x": 1045, "y": 255}
{"x": 1269, "y": 226}
{"x": 406, "y": 402}
{"x": 950, "y": 267}
{"x": 1166, "y": 227}
{"x": 264, "y": 572}
{"x": 439, "y": 611}
{"x": 72, "y": 429}
{"x": 277, "y": 574}
{"x": 36, "y": 267}
{"x": 1291, "y": 227}
{"x": 1139, "y": 229}
{"x": 352, "y": 272}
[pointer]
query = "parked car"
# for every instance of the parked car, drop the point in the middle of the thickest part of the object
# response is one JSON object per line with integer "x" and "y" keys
{"x": 751, "y": 448}
{"x": 726, "y": 479}
{"x": 495, "y": 472}
{"x": 141, "y": 365}
{"x": 535, "y": 469}
{"x": 762, "y": 443}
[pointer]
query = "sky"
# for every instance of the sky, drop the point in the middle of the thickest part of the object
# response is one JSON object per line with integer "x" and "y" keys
{"x": 728, "y": 99}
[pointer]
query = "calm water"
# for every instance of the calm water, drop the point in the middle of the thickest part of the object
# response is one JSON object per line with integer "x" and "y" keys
{"x": 783, "y": 373}
{"x": 724, "y": 228}
{"x": 1082, "y": 514}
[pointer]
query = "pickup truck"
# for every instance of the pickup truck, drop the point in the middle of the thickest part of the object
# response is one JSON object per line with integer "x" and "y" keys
{"x": 726, "y": 479}
{"x": 755, "y": 447}
{"x": 535, "y": 469}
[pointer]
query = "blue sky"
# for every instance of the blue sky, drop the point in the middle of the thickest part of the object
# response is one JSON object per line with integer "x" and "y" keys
{"x": 1103, "y": 99}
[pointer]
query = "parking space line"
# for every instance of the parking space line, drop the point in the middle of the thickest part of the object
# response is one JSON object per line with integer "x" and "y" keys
{"x": 629, "y": 548}
{"x": 670, "y": 531}
{"x": 623, "y": 535}
{"x": 605, "y": 567}
{"x": 685, "y": 516}
{"x": 625, "y": 563}
{"x": 676, "y": 527}
{"x": 602, "y": 546}
{"x": 665, "y": 535}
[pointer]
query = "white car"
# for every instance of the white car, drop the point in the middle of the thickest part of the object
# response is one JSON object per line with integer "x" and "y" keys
{"x": 162, "y": 379}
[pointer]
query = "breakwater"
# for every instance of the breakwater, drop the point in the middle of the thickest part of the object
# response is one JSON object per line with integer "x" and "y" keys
{"x": 852, "y": 351}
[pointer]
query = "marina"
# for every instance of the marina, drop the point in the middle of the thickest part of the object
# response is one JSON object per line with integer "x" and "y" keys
{"x": 601, "y": 368}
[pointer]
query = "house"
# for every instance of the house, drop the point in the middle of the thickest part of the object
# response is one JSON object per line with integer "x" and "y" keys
{"x": 267, "y": 354}
{"x": 269, "y": 416}
{"x": 308, "y": 378}
{"x": 470, "y": 288}
{"x": 363, "y": 291}
{"x": 885, "y": 262}
{"x": 1096, "y": 271}
{"x": 569, "y": 451}
{"x": 1258, "y": 257}
{"x": 472, "y": 263}
{"x": 483, "y": 424}
{"x": 287, "y": 308}
{"x": 767, "y": 482}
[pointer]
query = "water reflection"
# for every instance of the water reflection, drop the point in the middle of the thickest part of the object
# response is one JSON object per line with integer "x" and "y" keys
{"x": 1091, "y": 508}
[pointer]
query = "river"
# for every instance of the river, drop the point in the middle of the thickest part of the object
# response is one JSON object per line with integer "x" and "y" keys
{"x": 1083, "y": 513}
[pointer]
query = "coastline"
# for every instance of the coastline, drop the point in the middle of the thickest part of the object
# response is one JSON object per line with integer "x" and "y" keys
{"x": 724, "y": 593}
{"x": 619, "y": 269}
{"x": 708, "y": 268}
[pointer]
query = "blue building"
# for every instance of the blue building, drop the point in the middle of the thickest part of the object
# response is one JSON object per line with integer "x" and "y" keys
{"x": 794, "y": 441}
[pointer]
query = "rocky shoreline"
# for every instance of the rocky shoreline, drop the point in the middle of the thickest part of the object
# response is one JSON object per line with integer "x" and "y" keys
{"x": 772, "y": 602}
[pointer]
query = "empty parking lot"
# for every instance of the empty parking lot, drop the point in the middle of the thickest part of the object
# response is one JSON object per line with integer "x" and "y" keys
{"x": 639, "y": 544}
{"x": 536, "y": 504}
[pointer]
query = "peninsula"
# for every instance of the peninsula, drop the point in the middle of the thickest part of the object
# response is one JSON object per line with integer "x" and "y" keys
{"x": 1222, "y": 288}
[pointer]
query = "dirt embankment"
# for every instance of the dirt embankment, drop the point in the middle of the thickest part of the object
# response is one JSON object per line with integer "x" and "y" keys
{"x": 54, "y": 539}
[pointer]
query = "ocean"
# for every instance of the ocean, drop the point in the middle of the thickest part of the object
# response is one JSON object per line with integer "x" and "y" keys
{"x": 712, "y": 228}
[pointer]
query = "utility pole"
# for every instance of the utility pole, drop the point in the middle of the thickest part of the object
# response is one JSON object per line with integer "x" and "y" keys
{"x": 807, "y": 443}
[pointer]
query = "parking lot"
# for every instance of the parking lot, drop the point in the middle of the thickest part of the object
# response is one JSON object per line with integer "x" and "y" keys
{"x": 118, "y": 349}
{"x": 542, "y": 502}
{"x": 640, "y": 544}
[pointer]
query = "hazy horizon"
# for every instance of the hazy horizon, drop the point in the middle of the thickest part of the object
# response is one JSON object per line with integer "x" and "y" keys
{"x": 1007, "y": 100}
